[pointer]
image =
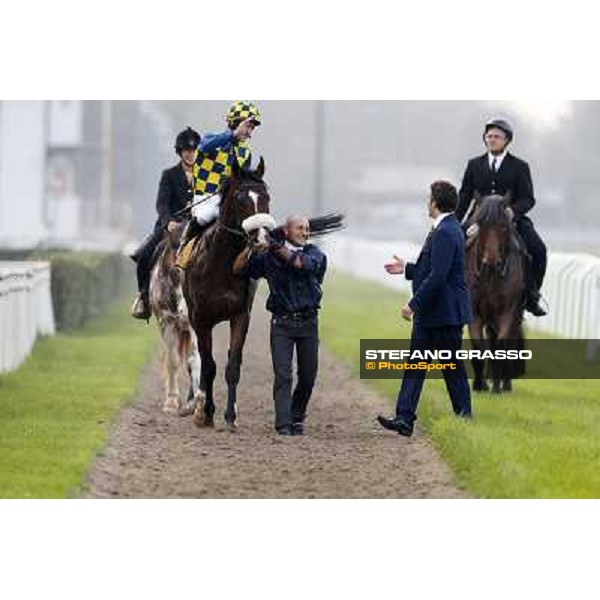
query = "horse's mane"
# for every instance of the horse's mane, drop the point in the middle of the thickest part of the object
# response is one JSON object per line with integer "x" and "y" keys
{"x": 491, "y": 212}
{"x": 243, "y": 176}
{"x": 165, "y": 257}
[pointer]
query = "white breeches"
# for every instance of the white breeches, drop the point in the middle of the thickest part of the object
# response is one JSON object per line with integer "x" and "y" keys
{"x": 207, "y": 211}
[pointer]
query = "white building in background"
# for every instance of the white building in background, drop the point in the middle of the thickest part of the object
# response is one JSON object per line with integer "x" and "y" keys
{"x": 22, "y": 173}
{"x": 79, "y": 174}
{"x": 64, "y": 140}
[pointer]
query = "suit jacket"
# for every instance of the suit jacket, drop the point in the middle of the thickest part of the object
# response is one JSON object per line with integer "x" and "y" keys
{"x": 440, "y": 293}
{"x": 513, "y": 176}
{"x": 174, "y": 192}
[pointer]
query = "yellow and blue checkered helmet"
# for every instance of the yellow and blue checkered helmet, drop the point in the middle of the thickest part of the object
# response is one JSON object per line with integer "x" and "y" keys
{"x": 240, "y": 111}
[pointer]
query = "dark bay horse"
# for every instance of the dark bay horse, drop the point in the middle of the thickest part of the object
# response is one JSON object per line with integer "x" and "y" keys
{"x": 214, "y": 294}
{"x": 495, "y": 271}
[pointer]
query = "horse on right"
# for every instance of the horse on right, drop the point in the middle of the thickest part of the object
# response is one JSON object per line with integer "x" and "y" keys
{"x": 496, "y": 268}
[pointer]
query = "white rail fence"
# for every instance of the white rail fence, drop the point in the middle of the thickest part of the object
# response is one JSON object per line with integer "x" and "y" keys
{"x": 25, "y": 310}
{"x": 571, "y": 287}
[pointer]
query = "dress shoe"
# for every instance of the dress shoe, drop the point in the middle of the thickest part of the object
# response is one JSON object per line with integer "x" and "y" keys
{"x": 396, "y": 424}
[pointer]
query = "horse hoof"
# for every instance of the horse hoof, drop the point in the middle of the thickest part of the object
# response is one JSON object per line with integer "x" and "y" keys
{"x": 189, "y": 408}
{"x": 171, "y": 405}
{"x": 198, "y": 412}
{"x": 209, "y": 421}
{"x": 496, "y": 391}
{"x": 231, "y": 426}
{"x": 481, "y": 387}
{"x": 198, "y": 417}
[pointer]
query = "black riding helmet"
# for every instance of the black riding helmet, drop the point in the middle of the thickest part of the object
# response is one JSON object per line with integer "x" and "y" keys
{"x": 502, "y": 124}
{"x": 188, "y": 138}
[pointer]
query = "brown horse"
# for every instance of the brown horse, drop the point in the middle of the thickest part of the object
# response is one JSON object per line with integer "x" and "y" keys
{"x": 495, "y": 271}
{"x": 169, "y": 308}
{"x": 214, "y": 294}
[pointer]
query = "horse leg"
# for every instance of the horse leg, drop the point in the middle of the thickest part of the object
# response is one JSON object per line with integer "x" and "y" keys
{"x": 208, "y": 370}
{"x": 496, "y": 365}
{"x": 511, "y": 334}
{"x": 238, "y": 330}
{"x": 171, "y": 404}
{"x": 476, "y": 335}
{"x": 193, "y": 365}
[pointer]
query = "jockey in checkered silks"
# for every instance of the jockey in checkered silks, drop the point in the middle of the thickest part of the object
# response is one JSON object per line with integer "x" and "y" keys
{"x": 216, "y": 153}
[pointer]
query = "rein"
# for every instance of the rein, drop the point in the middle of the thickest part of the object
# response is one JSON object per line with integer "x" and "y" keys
{"x": 235, "y": 231}
{"x": 239, "y": 232}
{"x": 190, "y": 206}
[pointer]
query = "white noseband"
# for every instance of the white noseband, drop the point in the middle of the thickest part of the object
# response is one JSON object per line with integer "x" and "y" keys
{"x": 258, "y": 221}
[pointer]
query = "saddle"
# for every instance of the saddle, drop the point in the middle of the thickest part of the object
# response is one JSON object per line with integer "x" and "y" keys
{"x": 184, "y": 256}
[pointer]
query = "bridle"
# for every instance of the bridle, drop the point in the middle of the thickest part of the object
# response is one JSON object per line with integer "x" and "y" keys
{"x": 501, "y": 267}
{"x": 237, "y": 231}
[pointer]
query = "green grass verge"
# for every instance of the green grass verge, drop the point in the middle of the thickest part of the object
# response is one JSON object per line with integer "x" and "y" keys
{"x": 541, "y": 441}
{"x": 55, "y": 410}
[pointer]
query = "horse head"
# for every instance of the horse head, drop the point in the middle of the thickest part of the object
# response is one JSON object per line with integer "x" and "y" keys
{"x": 494, "y": 230}
{"x": 245, "y": 204}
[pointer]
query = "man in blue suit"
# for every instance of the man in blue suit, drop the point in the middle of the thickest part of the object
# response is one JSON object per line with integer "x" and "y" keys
{"x": 439, "y": 307}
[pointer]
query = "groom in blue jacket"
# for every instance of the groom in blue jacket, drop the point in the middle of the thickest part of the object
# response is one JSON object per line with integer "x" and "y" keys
{"x": 440, "y": 307}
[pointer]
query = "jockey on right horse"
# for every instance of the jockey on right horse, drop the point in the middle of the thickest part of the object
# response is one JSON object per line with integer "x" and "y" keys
{"x": 215, "y": 156}
{"x": 499, "y": 172}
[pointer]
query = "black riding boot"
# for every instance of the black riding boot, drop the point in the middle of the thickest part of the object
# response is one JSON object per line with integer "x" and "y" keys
{"x": 532, "y": 303}
{"x": 536, "y": 264}
{"x": 144, "y": 256}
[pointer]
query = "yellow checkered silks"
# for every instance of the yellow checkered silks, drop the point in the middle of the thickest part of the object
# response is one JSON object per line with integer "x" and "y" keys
{"x": 240, "y": 111}
{"x": 212, "y": 168}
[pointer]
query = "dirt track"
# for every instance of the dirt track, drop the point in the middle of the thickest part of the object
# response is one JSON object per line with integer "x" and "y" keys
{"x": 343, "y": 454}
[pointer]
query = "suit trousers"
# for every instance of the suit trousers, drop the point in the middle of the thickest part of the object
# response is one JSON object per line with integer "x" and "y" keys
{"x": 448, "y": 337}
{"x": 303, "y": 335}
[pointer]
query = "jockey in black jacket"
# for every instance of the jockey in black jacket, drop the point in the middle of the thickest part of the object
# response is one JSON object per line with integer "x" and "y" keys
{"x": 175, "y": 191}
{"x": 499, "y": 172}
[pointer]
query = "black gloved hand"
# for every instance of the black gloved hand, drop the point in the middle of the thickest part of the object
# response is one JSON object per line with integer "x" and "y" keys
{"x": 277, "y": 236}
